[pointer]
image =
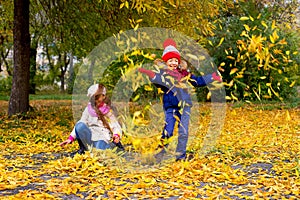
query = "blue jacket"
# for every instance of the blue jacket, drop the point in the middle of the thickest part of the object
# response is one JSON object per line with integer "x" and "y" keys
{"x": 173, "y": 93}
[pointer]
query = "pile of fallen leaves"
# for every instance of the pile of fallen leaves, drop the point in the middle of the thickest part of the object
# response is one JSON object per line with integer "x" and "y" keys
{"x": 256, "y": 156}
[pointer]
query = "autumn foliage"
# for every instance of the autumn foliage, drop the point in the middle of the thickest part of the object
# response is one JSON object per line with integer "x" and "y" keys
{"x": 256, "y": 156}
{"x": 256, "y": 57}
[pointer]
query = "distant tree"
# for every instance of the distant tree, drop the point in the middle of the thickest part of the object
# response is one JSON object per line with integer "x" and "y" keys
{"x": 19, "y": 98}
{"x": 6, "y": 35}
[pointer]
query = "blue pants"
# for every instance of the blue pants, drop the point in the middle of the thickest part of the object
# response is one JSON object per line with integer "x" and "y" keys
{"x": 183, "y": 128}
{"x": 84, "y": 134}
{"x": 170, "y": 120}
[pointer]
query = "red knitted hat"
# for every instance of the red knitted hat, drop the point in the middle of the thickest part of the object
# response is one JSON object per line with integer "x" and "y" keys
{"x": 170, "y": 50}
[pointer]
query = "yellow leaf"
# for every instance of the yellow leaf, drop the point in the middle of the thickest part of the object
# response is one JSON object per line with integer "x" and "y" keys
{"x": 126, "y": 4}
{"x": 246, "y": 27}
{"x": 230, "y": 57}
{"x": 292, "y": 84}
{"x": 133, "y": 39}
{"x": 244, "y": 34}
{"x": 288, "y": 116}
{"x": 239, "y": 76}
{"x": 222, "y": 64}
{"x": 208, "y": 95}
{"x": 159, "y": 91}
{"x": 267, "y": 97}
{"x": 269, "y": 92}
{"x": 148, "y": 88}
{"x": 177, "y": 118}
{"x": 228, "y": 98}
{"x": 267, "y": 62}
{"x": 272, "y": 39}
{"x": 244, "y": 18}
{"x": 256, "y": 95}
{"x": 230, "y": 84}
{"x": 264, "y": 24}
{"x": 275, "y": 35}
{"x": 136, "y": 98}
{"x": 234, "y": 97}
{"x": 232, "y": 71}
{"x": 136, "y": 27}
{"x": 258, "y": 16}
{"x": 273, "y": 25}
{"x": 282, "y": 42}
{"x": 135, "y": 52}
{"x": 274, "y": 92}
{"x": 221, "y": 41}
{"x": 139, "y": 20}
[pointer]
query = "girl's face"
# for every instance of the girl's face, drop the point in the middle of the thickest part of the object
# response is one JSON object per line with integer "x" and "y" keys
{"x": 172, "y": 63}
{"x": 99, "y": 99}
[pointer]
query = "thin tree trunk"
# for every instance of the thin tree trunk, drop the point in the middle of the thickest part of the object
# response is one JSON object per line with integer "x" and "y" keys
{"x": 71, "y": 75}
{"x": 33, "y": 52}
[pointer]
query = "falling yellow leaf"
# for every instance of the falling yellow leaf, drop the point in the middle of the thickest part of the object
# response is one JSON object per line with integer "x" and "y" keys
{"x": 221, "y": 41}
{"x": 222, "y": 64}
{"x": 246, "y": 27}
{"x": 234, "y": 70}
{"x": 244, "y": 18}
{"x": 292, "y": 84}
{"x": 230, "y": 57}
{"x": 208, "y": 96}
{"x": 264, "y": 24}
{"x": 136, "y": 97}
{"x": 273, "y": 25}
{"x": 148, "y": 88}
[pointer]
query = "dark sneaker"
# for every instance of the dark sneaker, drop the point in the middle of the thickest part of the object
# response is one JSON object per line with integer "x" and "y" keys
{"x": 120, "y": 146}
{"x": 185, "y": 157}
{"x": 80, "y": 151}
{"x": 160, "y": 155}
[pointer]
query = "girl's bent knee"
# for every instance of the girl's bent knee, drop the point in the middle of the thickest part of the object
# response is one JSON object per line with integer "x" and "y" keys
{"x": 80, "y": 126}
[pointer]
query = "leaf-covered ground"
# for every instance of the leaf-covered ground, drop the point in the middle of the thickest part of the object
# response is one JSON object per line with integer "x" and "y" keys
{"x": 256, "y": 156}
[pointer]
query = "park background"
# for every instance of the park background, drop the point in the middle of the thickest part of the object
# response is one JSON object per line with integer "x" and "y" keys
{"x": 255, "y": 47}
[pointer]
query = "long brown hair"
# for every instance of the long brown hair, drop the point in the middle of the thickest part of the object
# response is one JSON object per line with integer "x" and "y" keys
{"x": 107, "y": 101}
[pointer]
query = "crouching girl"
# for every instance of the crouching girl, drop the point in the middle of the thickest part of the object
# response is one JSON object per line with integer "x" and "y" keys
{"x": 98, "y": 125}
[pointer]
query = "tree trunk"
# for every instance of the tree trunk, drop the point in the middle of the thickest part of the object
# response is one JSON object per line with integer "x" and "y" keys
{"x": 71, "y": 75}
{"x": 62, "y": 81}
{"x": 64, "y": 62}
{"x": 19, "y": 97}
{"x": 33, "y": 52}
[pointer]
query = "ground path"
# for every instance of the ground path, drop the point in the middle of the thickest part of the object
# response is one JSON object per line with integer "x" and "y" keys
{"x": 257, "y": 156}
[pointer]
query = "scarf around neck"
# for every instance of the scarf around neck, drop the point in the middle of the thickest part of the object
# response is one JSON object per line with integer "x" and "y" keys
{"x": 104, "y": 109}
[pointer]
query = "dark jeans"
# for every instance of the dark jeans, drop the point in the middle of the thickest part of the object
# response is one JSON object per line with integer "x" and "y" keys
{"x": 183, "y": 128}
{"x": 84, "y": 134}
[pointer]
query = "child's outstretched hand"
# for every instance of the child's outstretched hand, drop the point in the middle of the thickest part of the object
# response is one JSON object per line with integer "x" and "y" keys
{"x": 67, "y": 141}
{"x": 149, "y": 73}
{"x": 216, "y": 77}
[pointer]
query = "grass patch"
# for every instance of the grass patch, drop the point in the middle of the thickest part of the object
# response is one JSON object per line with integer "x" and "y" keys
{"x": 43, "y": 97}
{"x": 269, "y": 105}
{"x": 50, "y": 97}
